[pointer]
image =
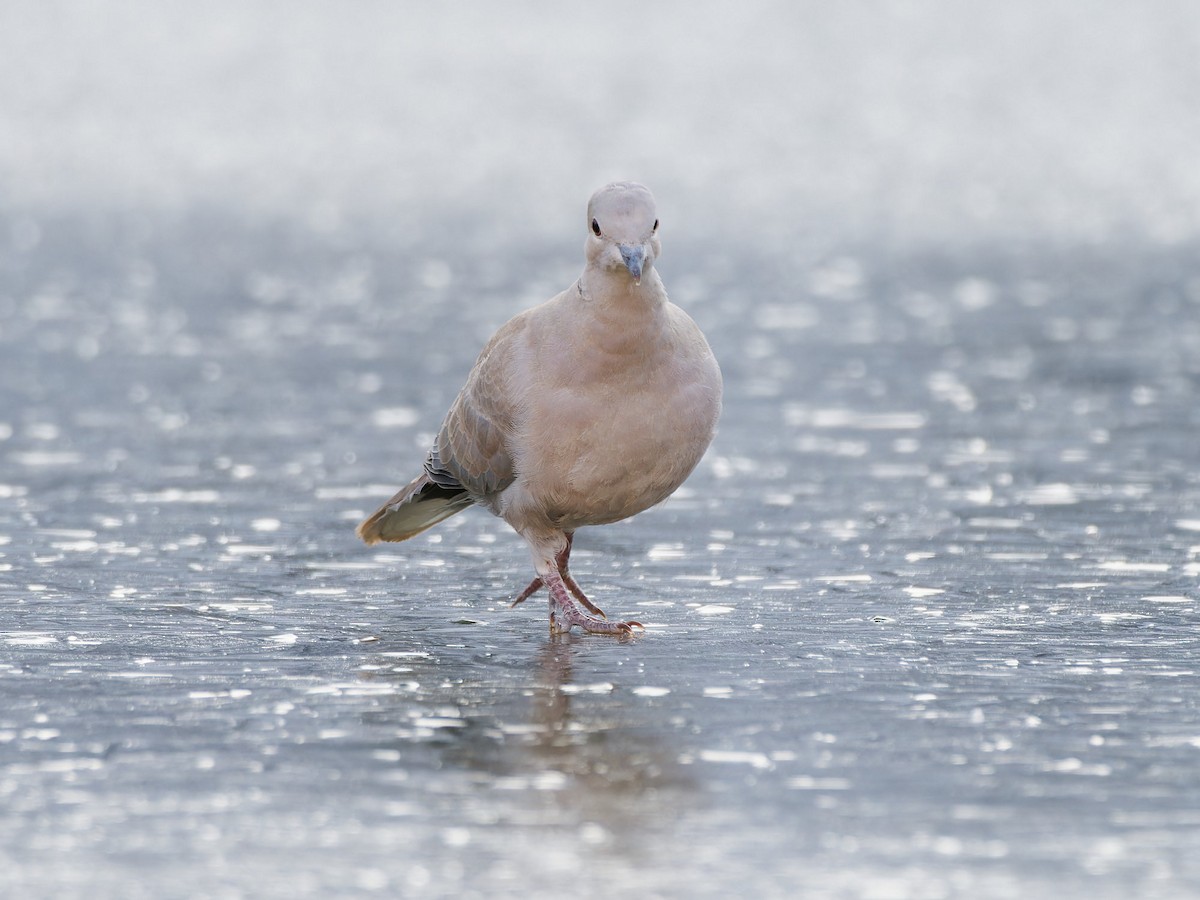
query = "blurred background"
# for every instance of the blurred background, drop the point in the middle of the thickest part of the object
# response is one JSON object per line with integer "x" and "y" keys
{"x": 772, "y": 124}
{"x": 923, "y": 622}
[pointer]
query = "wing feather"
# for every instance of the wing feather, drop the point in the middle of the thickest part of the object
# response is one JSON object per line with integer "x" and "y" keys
{"x": 472, "y": 447}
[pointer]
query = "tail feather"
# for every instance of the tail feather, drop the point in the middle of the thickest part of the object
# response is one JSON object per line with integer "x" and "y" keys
{"x": 420, "y": 505}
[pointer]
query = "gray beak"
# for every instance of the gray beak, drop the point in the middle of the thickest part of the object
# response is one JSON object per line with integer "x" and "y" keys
{"x": 633, "y": 257}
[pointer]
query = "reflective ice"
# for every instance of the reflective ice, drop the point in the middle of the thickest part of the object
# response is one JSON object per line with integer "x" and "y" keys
{"x": 923, "y": 623}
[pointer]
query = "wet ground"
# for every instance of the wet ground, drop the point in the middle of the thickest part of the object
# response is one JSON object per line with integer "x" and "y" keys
{"x": 922, "y": 624}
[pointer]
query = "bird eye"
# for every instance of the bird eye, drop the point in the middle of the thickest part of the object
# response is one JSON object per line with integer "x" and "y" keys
{"x": 595, "y": 228}
{"x": 655, "y": 228}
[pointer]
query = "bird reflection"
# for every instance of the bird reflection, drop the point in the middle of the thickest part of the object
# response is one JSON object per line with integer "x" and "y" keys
{"x": 619, "y": 758}
{"x": 569, "y": 747}
{"x": 551, "y": 707}
{"x": 587, "y": 731}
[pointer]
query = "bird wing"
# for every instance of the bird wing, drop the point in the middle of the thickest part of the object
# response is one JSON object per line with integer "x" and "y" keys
{"x": 472, "y": 450}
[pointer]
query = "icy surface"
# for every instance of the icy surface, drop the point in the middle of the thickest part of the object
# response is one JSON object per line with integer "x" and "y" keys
{"x": 923, "y": 623}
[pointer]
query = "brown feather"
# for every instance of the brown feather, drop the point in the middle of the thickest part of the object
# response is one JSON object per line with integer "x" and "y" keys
{"x": 416, "y": 507}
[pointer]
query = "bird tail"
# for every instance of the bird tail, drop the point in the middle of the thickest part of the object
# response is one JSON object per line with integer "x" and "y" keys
{"x": 420, "y": 505}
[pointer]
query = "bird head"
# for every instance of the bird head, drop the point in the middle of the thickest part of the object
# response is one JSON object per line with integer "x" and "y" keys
{"x": 623, "y": 230}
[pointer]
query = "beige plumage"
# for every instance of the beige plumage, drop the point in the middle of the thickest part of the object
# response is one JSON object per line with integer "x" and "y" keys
{"x": 585, "y": 410}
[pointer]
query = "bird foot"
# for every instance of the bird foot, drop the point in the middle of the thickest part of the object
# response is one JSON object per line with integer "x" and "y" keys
{"x": 537, "y": 584}
{"x": 562, "y": 560}
{"x": 562, "y": 619}
{"x": 564, "y": 614}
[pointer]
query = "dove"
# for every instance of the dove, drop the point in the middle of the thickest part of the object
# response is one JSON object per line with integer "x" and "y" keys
{"x": 585, "y": 410}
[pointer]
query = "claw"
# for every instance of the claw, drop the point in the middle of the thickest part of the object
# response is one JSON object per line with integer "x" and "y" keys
{"x": 564, "y": 614}
{"x": 533, "y": 587}
{"x": 582, "y": 598}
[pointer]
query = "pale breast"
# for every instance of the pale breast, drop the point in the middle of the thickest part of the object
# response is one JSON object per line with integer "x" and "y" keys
{"x": 621, "y": 445}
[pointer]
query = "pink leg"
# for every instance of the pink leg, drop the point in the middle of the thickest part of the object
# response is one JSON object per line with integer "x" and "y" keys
{"x": 562, "y": 560}
{"x": 532, "y": 588}
{"x": 564, "y": 614}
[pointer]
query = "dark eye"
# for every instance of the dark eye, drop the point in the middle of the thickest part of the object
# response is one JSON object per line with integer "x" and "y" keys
{"x": 655, "y": 228}
{"x": 595, "y": 228}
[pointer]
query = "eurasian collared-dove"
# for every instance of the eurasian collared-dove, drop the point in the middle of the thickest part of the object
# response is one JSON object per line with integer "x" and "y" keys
{"x": 585, "y": 410}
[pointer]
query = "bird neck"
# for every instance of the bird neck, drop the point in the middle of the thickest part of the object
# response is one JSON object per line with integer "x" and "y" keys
{"x": 617, "y": 291}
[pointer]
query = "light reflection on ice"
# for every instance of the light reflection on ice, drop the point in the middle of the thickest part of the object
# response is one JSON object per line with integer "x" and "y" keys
{"x": 737, "y": 757}
{"x": 177, "y": 495}
{"x": 140, "y": 675}
{"x": 235, "y": 550}
{"x": 600, "y": 687}
{"x": 918, "y": 592}
{"x": 1113, "y": 618}
{"x": 232, "y": 694}
{"x": 242, "y": 606}
{"x": 1075, "y": 766}
{"x": 1133, "y": 568}
{"x": 39, "y": 458}
{"x": 28, "y": 639}
{"x": 58, "y": 766}
{"x": 355, "y": 689}
{"x": 815, "y": 783}
{"x": 946, "y": 387}
{"x": 646, "y": 690}
{"x": 75, "y": 546}
{"x": 68, "y": 533}
{"x": 549, "y": 780}
{"x": 1049, "y": 495}
{"x": 798, "y": 415}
